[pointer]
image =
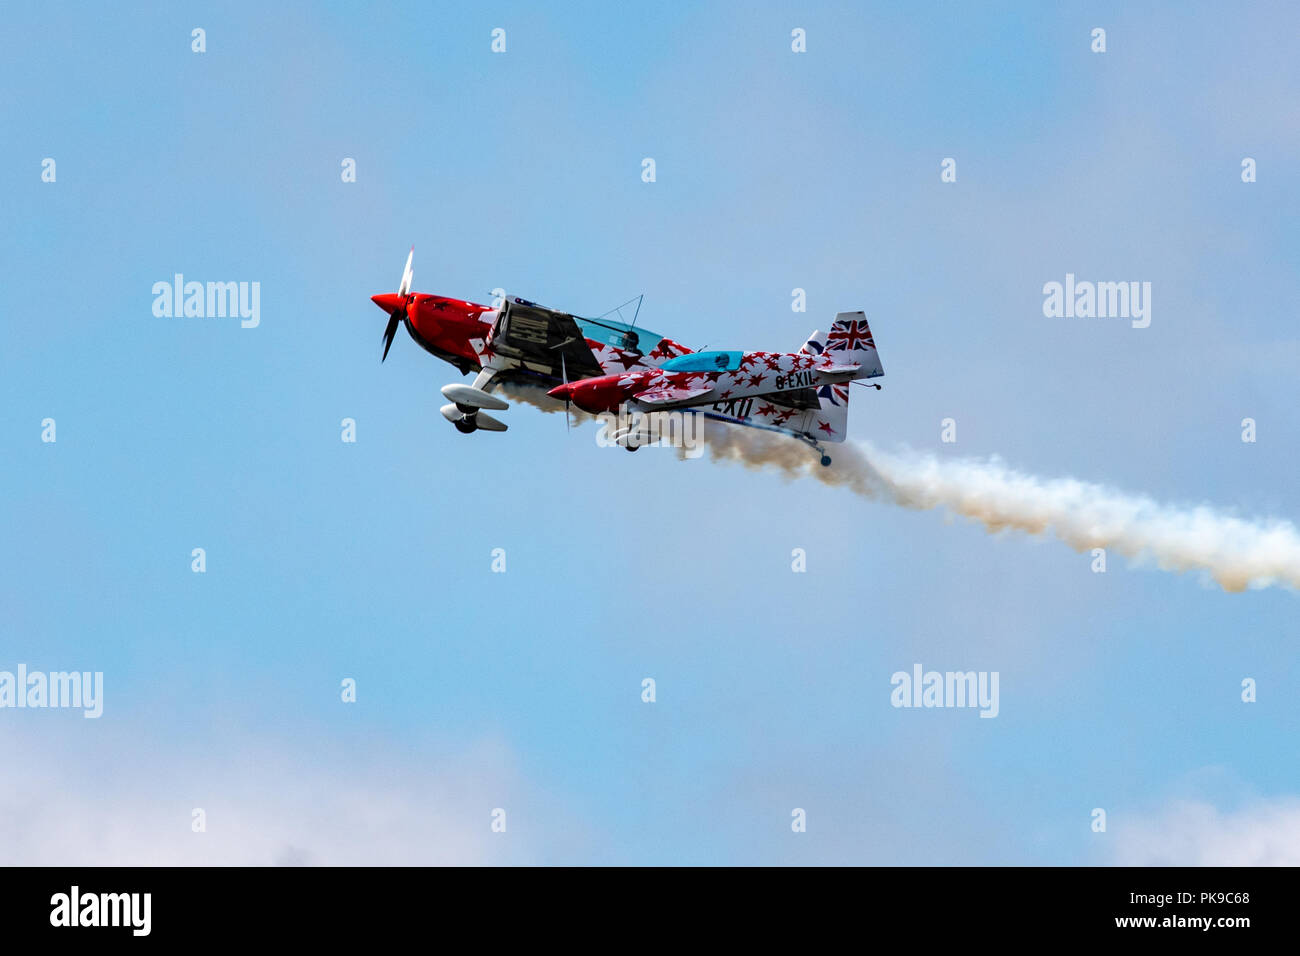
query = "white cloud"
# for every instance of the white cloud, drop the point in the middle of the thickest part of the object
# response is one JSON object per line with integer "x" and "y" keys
{"x": 127, "y": 805}
{"x": 1194, "y": 833}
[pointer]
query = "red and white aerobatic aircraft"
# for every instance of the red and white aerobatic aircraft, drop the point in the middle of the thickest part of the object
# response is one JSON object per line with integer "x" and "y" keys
{"x": 601, "y": 364}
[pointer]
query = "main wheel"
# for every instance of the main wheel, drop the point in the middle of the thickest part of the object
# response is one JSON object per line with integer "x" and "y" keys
{"x": 465, "y": 427}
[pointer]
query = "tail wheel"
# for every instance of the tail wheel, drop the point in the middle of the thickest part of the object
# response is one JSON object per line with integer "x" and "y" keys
{"x": 826, "y": 460}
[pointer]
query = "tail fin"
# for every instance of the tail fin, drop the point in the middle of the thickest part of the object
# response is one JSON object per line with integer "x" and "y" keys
{"x": 815, "y": 344}
{"x": 849, "y": 341}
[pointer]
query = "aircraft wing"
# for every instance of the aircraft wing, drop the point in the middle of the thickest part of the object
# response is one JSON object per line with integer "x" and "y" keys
{"x": 672, "y": 395}
{"x": 546, "y": 341}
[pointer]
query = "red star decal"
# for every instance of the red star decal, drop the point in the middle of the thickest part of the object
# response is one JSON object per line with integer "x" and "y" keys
{"x": 627, "y": 359}
{"x": 748, "y": 359}
{"x": 667, "y": 348}
{"x": 766, "y": 410}
{"x": 756, "y": 380}
{"x": 826, "y": 427}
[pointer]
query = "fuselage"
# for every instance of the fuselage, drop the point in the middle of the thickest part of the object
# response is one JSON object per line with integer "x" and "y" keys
{"x": 747, "y": 374}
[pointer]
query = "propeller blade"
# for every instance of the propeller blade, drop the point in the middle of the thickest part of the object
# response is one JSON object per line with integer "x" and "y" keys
{"x": 395, "y": 305}
{"x": 389, "y": 333}
{"x": 564, "y": 374}
{"x": 405, "y": 285}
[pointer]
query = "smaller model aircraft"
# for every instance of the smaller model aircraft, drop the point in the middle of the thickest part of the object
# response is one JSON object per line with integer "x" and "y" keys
{"x": 601, "y": 364}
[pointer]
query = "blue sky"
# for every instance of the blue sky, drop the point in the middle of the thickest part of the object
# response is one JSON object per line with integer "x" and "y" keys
{"x": 521, "y": 690}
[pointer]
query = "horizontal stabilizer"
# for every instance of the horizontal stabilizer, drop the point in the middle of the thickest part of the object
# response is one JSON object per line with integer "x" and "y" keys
{"x": 847, "y": 369}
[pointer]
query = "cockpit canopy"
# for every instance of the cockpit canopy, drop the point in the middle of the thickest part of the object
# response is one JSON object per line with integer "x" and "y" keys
{"x": 704, "y": 362}
{"x": 618, "y": 335}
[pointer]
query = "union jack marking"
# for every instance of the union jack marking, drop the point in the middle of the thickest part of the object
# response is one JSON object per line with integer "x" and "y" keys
{"x": 849, "y": 337}
{"x": 837, "y": 394}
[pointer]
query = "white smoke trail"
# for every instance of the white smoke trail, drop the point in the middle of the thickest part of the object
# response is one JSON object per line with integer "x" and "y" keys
{"x": 1237, "y": 553}
{"x": 535, "y": 395}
